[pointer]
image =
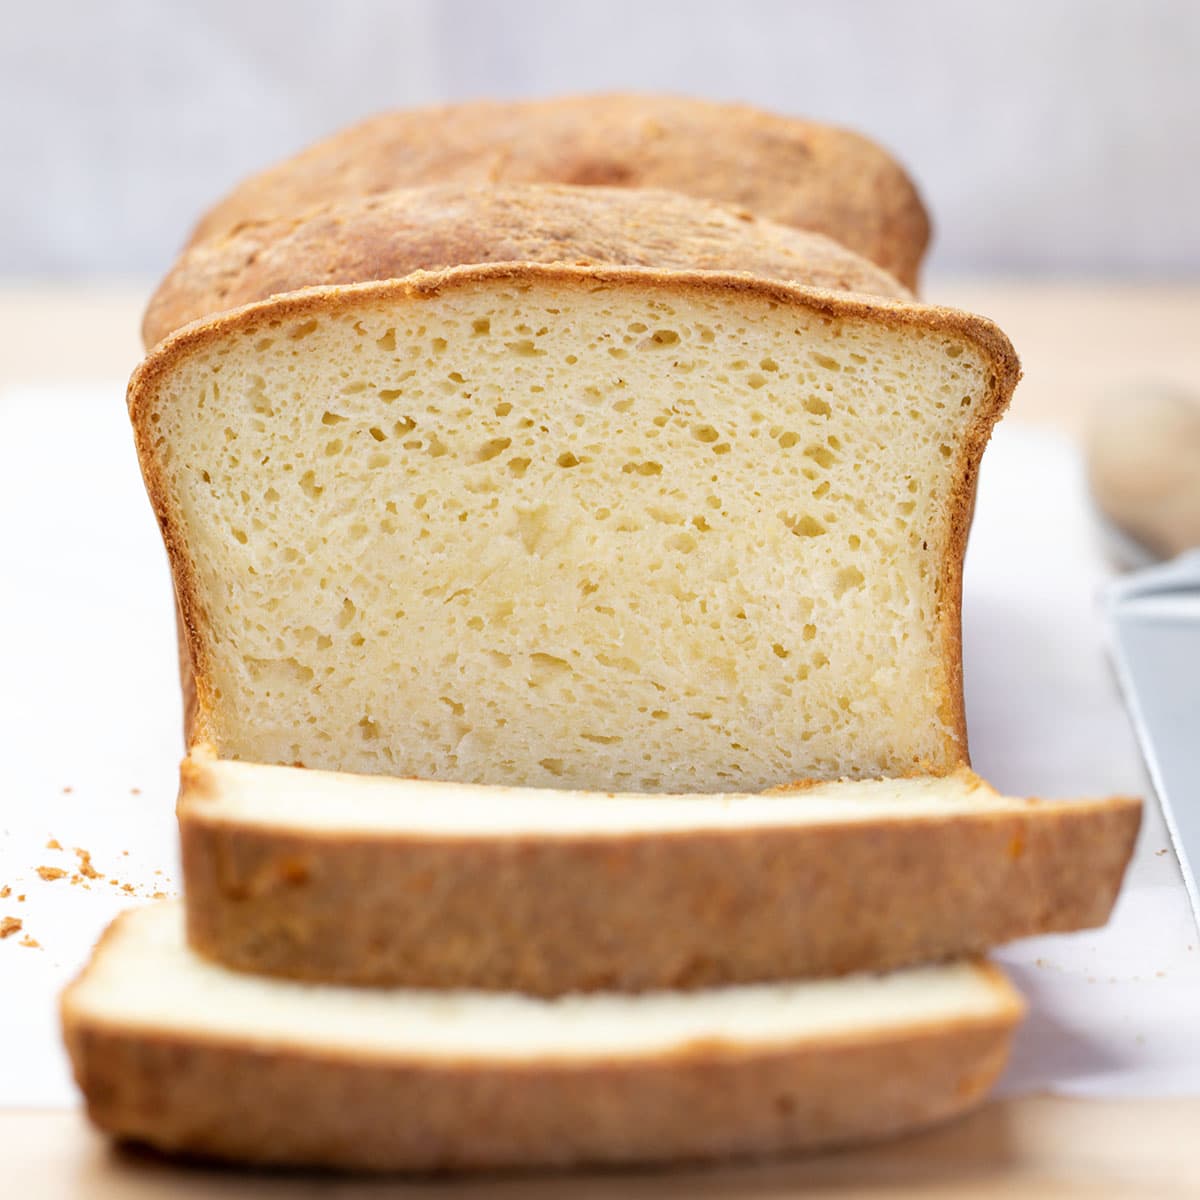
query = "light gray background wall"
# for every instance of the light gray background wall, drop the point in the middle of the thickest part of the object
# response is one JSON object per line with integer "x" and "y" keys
{"x": 1050, "y": 136}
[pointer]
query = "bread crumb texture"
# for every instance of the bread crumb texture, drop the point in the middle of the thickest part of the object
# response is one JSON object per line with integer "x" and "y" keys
{"x": 9, "y": 926}
{"x": 555, "y": 535}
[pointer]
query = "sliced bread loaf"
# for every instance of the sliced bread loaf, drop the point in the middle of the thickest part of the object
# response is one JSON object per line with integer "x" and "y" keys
{"x": 390, "y": 235}
{"x": 797, "y": 172}
{"x": 574, "y": 526}
{"x": 192, "y": 1058}
{"x": 360, "y": 879}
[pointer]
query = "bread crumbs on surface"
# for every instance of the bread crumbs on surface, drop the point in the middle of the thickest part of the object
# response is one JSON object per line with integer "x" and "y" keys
{"x": 9, "y": 926}
{"x": 68, "y": 790}
{"x": 33, "y": 943}
{"x": 54, "y": 844}
{"x": 21, "y": 898}
{"x": 135, "y": 791}
{"x": 6, "y": 891}
{"x": 50, "y": 873}
{"x": 158, "y": 895}
{"x": 127, "y": 887}
{"x": 85, "y": 864}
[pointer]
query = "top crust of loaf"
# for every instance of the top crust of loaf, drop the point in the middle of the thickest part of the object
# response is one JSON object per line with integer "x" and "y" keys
{"x": 797, "y": 172}
{"x": 391, "y": 235}
{"x": 1002, "y": 372}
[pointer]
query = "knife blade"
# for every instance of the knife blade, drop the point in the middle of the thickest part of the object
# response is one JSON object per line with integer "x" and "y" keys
{"x": 1155, "y": 621}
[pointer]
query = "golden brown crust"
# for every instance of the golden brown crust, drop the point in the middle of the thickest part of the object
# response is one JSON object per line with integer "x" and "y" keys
{"x": 642, "y": 911}
{"x": 394, "y": 234}
{"x": 421, "y": 285}
{"x": 187, "y": 678}
{"x": 793, "y": 171}
{"x": 296, "y": 1106}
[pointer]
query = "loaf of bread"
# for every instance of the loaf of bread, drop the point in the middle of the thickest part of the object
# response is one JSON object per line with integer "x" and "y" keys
{"x": 366, "y": 880}
{"x": 574, "y": 526}
{"x": 189, "y": 1057}
{"x": 396, "y": 233}
{"x": 583, "y": 493}
{"x": 796, "y": 172}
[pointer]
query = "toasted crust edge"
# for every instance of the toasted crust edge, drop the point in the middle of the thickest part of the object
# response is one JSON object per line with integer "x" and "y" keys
{"x": 640, "y": 911}
{"x": 231, "y": 1099}
{"x": 423, "y": 285}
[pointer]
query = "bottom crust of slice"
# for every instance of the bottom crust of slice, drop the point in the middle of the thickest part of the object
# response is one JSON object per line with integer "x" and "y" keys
{"x": 240, "y": 1104}
{"x": 215, "y": 1086}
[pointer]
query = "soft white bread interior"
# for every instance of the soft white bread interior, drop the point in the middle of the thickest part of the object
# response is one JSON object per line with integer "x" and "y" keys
{"x": 175, "y": 1051}
{"x": 365, "y": 879}
{"x": 574, "y": 527}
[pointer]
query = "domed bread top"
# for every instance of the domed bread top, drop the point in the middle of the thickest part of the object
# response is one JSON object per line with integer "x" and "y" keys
{"x": 393, "y": 234}
{"x": 794, "y": 171}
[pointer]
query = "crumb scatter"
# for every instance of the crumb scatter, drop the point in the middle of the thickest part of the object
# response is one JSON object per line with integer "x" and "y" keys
{"x": 85, "y": 864}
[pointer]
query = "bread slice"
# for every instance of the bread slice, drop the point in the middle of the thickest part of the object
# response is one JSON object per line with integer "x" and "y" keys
{"x": 797, "y": 172}
{"x": 395, "y": 233}
{"x": 574, "y": 527}
{"x": 365, "y": 880}
{"x": 189, "y": 1057}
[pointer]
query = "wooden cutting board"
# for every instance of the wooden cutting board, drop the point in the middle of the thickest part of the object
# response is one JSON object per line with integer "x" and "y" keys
{"x": 1036, "y": 1147}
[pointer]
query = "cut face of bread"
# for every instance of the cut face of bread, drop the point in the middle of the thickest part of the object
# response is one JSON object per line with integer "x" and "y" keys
{"x": 574, "y": 527}
{"x": 189, "y": 1057}
{"x": 317, "y": 876}
{"x": 797, "y": 172}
